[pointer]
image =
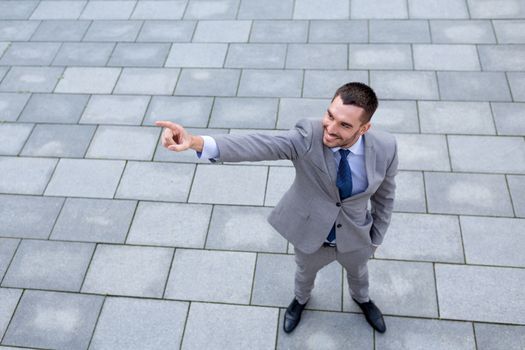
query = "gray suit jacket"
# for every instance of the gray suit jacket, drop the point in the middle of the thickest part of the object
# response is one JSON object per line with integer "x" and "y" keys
{"x": 307, "y": 211}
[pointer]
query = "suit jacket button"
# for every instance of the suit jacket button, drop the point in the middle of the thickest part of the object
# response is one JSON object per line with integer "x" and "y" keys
{"x": 338, "y": 204}
{"x": 339, "y": 225}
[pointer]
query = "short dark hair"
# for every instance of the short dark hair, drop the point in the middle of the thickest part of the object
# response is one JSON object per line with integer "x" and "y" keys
{"x": 360, "y": 95}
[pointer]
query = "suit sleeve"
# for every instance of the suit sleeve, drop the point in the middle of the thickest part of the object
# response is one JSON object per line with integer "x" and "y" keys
{"x": 290, "y": 145}
{"x": 382, "y": 202}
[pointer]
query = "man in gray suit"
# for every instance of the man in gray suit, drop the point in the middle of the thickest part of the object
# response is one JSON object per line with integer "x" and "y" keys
{"x": 340, "y": 166}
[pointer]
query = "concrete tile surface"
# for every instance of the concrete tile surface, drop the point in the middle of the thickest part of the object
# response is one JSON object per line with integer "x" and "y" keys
{"x": 81, "y": 165}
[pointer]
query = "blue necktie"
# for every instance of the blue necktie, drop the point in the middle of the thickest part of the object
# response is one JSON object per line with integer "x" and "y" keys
{"x": 343, "y": 183}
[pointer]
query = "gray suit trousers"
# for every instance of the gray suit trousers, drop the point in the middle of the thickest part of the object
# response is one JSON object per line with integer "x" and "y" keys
{"x": 354, "y": 262}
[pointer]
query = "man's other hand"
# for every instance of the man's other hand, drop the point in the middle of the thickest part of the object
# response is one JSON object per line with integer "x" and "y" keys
{"x": 177, "y": 139}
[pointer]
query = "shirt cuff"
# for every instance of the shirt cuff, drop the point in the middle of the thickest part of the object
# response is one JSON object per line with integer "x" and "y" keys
{"x": 209, "y": 149}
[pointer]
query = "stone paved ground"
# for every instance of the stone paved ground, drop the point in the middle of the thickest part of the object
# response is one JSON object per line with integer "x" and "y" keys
{"x": 108, "y": 241}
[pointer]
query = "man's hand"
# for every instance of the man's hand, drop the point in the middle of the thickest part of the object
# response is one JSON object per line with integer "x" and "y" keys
{"x": 177, "y": 139}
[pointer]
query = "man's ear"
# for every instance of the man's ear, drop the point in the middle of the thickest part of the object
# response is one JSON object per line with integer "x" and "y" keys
{"x": 364, "y": 128}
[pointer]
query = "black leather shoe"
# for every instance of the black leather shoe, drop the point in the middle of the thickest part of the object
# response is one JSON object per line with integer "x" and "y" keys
{"x": 292, "y": 315}
{"x": 373, "y": 315}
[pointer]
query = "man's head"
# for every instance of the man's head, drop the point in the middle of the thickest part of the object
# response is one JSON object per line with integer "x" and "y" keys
{"x": 349, "y": 114}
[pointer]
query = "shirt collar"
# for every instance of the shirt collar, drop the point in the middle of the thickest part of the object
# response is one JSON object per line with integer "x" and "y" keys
{"x": 357, "y": 148}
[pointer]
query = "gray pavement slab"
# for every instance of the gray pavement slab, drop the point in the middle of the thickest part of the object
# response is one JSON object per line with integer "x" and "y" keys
{"x": 128, "y": 271}
{"x": 447, "y": 57}
{"x": 196, "y": 55}
{"x": 229, "y": 184}
{"x": 212, "y": 9}
{"x": 115, "y": 109}
{"x": 410, "y": 192}
{"x": 8, "y": 247}
{"x": 291, "y": 110}
{"x": 493, "y": 336}
{"x": 139, "y": 55}
{"x": 84, "y": 54}
{"x": 88, "y": 80}
{"x": 327, "y": 330}
{"x": 489, "y": 154}
{"x": 323, "y": 83}
{"x": 194, "y": 271}
{"x": 333, "y": 31}
{"x": 517, "y": 85}
{"x": 25, "y": 175}
{"x": 94, "y": 220}
{"x": 508, "y": 118}
{"x": 405, "y": 85}
{"x": 17, "y": 221}
{"x": 126, "y": 323}
{"x": 274, "y": 283}
{"x": 192, "y": 111}
{"x": 17, "y": 30}
{"x": 380, "y": 56}
{"x": 270, "y": 9}
{"x": 270, "y": 83}
{"x": 61, "y": 30}
{"x": 112, "y": 142}
{"x": 398, "y": 31}
{"x": 259, "y": 113}
{"x": 466, "y": 193}
{"x": 279, "y": 181}
{"x": 170, "y": 224}
{"x": 54, "y": 108}
{"x": 501, "y": 9}
{"x": 156, "y": 181}
{"x": 378, "y": 9}
{"x": 502, "y": 57}
{"x": 147, "y": 81}
{"x": 30, "y": 54}
{"x": 14, "y": 136}
{"x": 58, "y": 140}
{"x": 230, "y": 326}
{"x": 308, "y": 9}
{"x": 85, "y": 178}
{"x": 423, "y": 152}
{"x": 312, "y": 56}
{"x": 279, "y": 31}
{"x": 31, "y": 79}
{"x": 437, "y": 9}
{"x": 410, "y": 333}
{"x": 17, "y": 9}
{"x": 471, "y": 86}
{"x": 442, "y": 117}
{"x": 208, "y": 82}
{"x": 423, "y": 237}
{"x": 477, "y": 293}
{"x": 493, "y": 241}
{"x": 397, "y": 116}
{"x": 243, "y": 228}
{"x": 8, "y": 301}
{"x": 510, "y": 31}
{"x": 40, "y": 264}
{"x": 166, "y": 31}
{"x": 11, "y": 104}
{"x": 98, "y": 10}
{"x": 400, "y": 288}
{"x": 517, "y": 192}
{"x": 222, "y": 31}
{"x": 54, "y": 320}
{"x": 107, "y": 30}
{"x": 462, "y": 32}
{"x": 58, "y": 10}
{"x": 160, "y": 10}
{"x": 256, "y": 56}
